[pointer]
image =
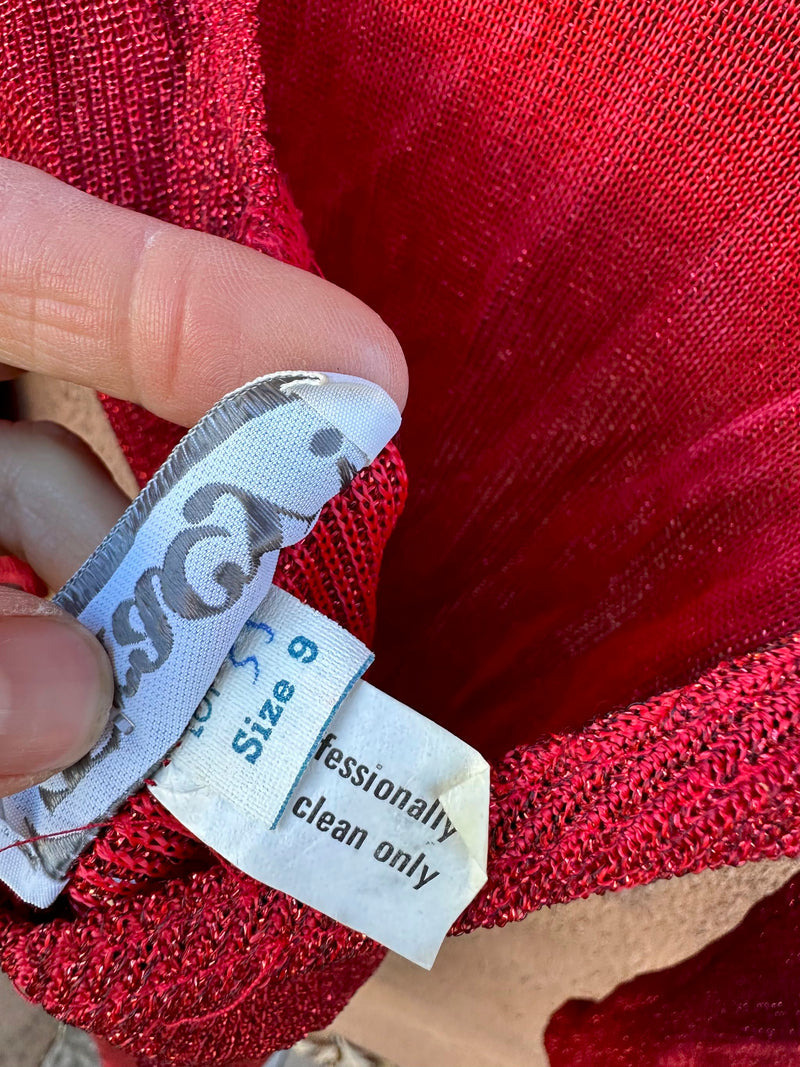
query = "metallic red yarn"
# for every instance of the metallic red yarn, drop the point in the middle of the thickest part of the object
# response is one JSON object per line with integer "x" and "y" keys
{"x": 700, "y": 777}
{"x": 581, "y": 221}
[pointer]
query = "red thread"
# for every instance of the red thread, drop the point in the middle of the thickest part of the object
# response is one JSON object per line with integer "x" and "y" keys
{"x": 58, "y": 833}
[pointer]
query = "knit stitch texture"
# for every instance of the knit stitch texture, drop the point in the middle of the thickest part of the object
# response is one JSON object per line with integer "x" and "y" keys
{"x": 581, "y": 223}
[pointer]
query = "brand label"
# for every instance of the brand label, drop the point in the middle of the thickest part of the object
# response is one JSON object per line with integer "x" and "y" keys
{"x": 172, "y": 585}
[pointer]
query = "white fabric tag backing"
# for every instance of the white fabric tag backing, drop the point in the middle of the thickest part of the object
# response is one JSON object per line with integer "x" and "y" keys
{"x": 386, "y": 829}
{"x": 174, "y": 582}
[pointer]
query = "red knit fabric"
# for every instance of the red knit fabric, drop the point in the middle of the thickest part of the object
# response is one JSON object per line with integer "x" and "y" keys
{"x": 14, "y": 572}
{"x": 580, "y": 221}
{"x": 699, "y": 777}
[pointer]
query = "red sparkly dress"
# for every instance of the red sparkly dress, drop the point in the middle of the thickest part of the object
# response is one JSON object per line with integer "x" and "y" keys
{"x": 581, "y": 221}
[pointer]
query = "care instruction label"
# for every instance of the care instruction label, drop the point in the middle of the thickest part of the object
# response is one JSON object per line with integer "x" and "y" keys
{"x": 386, "y": 828}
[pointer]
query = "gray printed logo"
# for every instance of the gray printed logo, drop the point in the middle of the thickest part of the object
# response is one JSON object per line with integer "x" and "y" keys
{"x": 225, "y": 532}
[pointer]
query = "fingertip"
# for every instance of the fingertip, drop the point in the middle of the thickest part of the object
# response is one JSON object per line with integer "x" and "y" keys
{"x": 374, "y": 352}
{"x": 237, "y": 314}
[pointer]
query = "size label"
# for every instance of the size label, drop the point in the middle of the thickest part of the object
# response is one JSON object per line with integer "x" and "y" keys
{"x": 386, "y": 827}
{"x": 268, "y": 707}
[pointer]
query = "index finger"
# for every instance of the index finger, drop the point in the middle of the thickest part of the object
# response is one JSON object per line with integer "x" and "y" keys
{"x": 170, "y": 318}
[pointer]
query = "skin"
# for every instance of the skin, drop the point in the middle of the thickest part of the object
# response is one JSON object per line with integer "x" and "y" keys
{"x": 145, "y": 311}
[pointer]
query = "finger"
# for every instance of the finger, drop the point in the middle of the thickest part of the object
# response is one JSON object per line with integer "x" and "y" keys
{"x": 56, "y": 689}
{"x": 59, "y": 502}
{"x": 56, "y": 685}
{"x": 170, "y": 318}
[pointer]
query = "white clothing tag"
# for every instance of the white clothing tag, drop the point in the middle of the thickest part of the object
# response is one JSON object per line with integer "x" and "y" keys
{"x": 172, "y": 585}
{"x": 386, "y": 829}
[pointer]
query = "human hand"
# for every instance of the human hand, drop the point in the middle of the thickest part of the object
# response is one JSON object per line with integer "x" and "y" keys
{"x": 172, "y": 319}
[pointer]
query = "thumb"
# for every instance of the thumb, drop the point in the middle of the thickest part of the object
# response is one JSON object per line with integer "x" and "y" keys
{"x": 56, "y": 684}
{"x": 56, "y": 689}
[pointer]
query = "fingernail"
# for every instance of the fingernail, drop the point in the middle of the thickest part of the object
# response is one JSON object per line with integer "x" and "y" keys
{"x": 55, "y": 693}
